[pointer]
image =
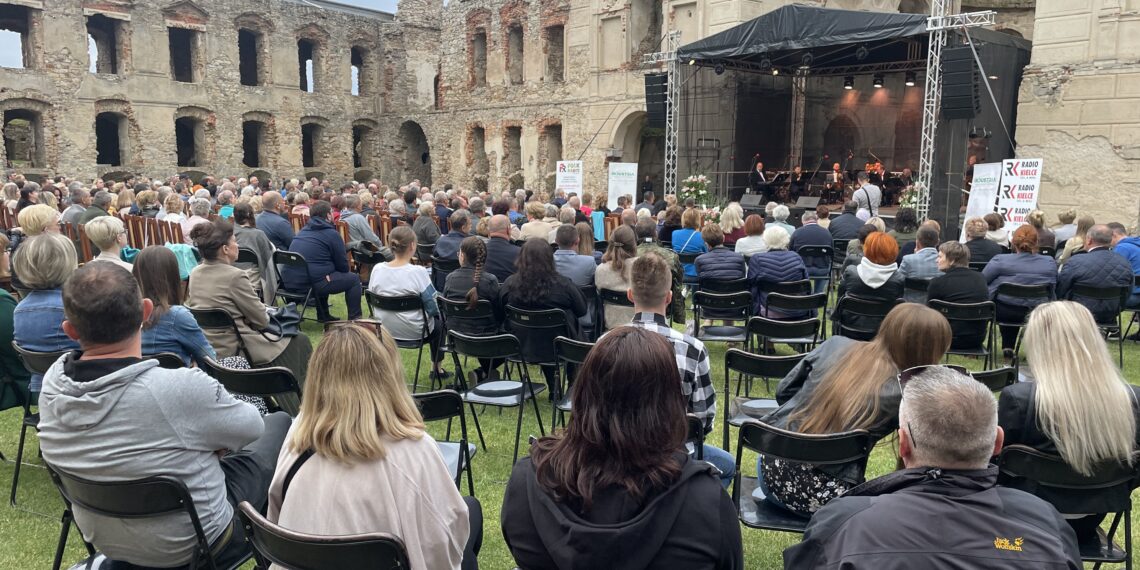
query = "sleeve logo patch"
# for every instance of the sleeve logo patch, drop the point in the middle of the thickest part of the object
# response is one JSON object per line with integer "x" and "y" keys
{"x": 1007, "y": 544}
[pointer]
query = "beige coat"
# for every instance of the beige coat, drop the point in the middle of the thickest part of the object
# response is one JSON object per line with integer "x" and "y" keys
{"x": 605, "y": 277}
{"x": 409, "y": 493}
{"x": 218, "y": 285}
{"x": 535, "y": 229}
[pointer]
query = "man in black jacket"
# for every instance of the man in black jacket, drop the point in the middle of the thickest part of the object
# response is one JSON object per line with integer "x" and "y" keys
{"x": 945, "y": 509}
{"x": 1098, "y": 266}
{"x": 501, "y": 253}
{"x": 847, "y": 225}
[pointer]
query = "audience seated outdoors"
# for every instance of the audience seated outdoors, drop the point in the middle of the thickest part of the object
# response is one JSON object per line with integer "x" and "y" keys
{"x": 996, "y": 230}
{"x": 425, "y": 227}
{"x": 44, "y": 263}
{"x": 199, "y": 214}
{"x": 108, "y": 415}
{"x": 447, "y": 246}
{"x": 217, "y": 284}
{"x": 615, "y": 273}
{"x": 688, "y": 240}
{"x": 981, "y": 249}
{"x": 535, "y": 227}
{"x": 876, "y": 277}
{"x": 401, "y": 278}
{"x": 959, "y": 284}
{"x": 569, "y": 262}
{"x": 777, "y": 265}
{"x": 720, "y": 263}
{"x": 855, "y": 246}
{"x": 328, "y": 271}
{"x": 945, "y": 510}
{"x": 616, "y": 488}
{"x": 586, "y": 242}
{"x": 780, "y": 219}
{"x": 845, "y": 385}
{"x": 651, "y": 296}
{"x": 1096, "y": 266}
{"x": 1045, "y": 236}
{"x": 732, "y": 224}
{"x": 262, "y": 274}
{"x": 109, "y": 235}
{"x": 813, "y": 234}
{"x": 275, "y": 222}
{"x": 1129, "y": 247}
{"x": 1022, "y": 267}
{"x": 472, "y": 283}
{"x": 645, "y": 229}
{"x": 905, "y": 227}
{"x": 753, "y": 242}
{"x": 358, "y": 451}
{"x": 1077, "y": 242}
{"x": 37, "y": 219}
{"x": 847, "y": 224}
{"x": 501, "y": 253}
{"x": 923, "y": 263}
{"x": 672, "y": 223}
{"x": 170, "y": 327}
{"x": 1067, "y": 227}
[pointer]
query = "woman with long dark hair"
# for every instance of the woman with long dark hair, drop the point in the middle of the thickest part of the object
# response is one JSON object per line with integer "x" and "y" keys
{"x": 472, "y": 283}
{"x": 618, "y": 471}
{"x": 171, "y": 327}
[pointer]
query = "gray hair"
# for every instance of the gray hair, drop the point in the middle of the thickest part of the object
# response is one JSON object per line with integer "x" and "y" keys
{"x": 427, "y": 208}
{"x": 79, "y": 194}
{"x": 809, "y": 217}
{"x": 199, "y": 207}
{"x": 951, "y": 419}
{"x": 45, "y": 261}
{"x": 776, "y": 238}
{"x": 202, "y": 194}
{"x": 460, "y": 218}
{"x": 398, "y": 206}
{"x": 780, "y": 213}
{"x": 352, "y": 202}
{"x": 102, "y": 199}
{"x": 1100, "y": 234}
{"x": 551, "y": 211}
{"x": 476, "y": 206}
{"x": 225, "y": 197}
{"x": 567, "y": 215}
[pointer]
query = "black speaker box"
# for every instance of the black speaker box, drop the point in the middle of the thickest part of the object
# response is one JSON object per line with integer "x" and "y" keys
{"x": 656, "y": 85}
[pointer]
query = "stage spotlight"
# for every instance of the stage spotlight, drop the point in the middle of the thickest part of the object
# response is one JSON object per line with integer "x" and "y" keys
{"x": 878, "y": 81}
{"x": 719, "y": 69}
{"x": 849, "y": 82}
{"x": 911, "y": 78}
{"x": 775, "y": 71}
{"x": 692, "y": 62}
{"x": 765, "y": 63}
{"x": 807, "y": 60}
{"x": 861, "y": 53}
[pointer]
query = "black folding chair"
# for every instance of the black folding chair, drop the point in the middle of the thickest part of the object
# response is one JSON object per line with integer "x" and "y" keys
{"x": 695, "y": 435}
{"x": 722, "y": 286}
{"x": 246, "y": 255}
{"x": 612, "y": 298}
{"x": 872, "y": 312}
{"x": 283, "y": 258}
{"x": 424, "y": 253}
{"x": 978, "y": 265}
{"x": 440, "y": 269}
{"x": 167, "y": 360}
{"x": 749, "y": 366}
{"x": 731, "y": 307}
{"x": 997, "y": 379}
{"x": 762, "y": 330}
{"x": 298, "y": 551}
{"x": 1038, "y": 293}
{"x": 406, "y": 304}
{"x": 458, "y": 316}
{"x": 967, "y": 314}
{"x": 1117, "y": 295}
{"x": 1135, "y": 313}
{"x": 825, "y": 254}
{"x": 221, "y": 320}
{"x": 799, "y": 304}
{"x": 838, "y": 256}
{"x": 570, "y": 353}
{"x": 801, "y": 287}
{"x": 601, "y": 246}
{"x": 817, "y": 450}
{"x": 447, "y": 405}
{"x": 689, "y": 259}
{"x": 593, "y": 309}
{"x": 504, "y": 393}
{"x": 139, "y": 499}
{"x": 1046, "y": 250}
{"x": 1111, "y": 479}
{"x": 35, "y": 363}
{"x": 916, "y": 288}
{"x": 276, "y": 385}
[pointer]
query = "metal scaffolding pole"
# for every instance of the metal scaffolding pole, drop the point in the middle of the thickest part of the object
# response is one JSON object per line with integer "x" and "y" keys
{"x": 799, "y": 111}
{"x": 672, "y": 112}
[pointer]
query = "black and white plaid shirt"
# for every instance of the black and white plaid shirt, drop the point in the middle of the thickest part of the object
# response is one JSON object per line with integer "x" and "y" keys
{"x": 692, "y": 363}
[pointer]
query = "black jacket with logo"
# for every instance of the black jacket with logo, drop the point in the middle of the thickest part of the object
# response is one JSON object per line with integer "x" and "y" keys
{"x": 933, "y": 518}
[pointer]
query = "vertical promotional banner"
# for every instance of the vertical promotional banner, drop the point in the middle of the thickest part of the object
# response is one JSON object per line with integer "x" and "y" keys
{"x": 1020, "y": 186}
{"x": 983, "y": 192}
{"x": 623, "y": 181}
{"x": 568, "y": 177}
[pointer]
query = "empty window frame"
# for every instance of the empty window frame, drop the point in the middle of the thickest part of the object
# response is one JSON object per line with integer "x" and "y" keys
{"x": 16, "y": 37}
{"x": 359, "y": 73}
{"x": 185, "y": 61}
{"x": 515, "y": 63}
{"x": 251, "y": 64}
{"x": 110, "y": 138}
{"x": 307, "y": 53}
{"x": 361, "y": 145}
{"x": 310, "y": 144}
{"x": 555, "y": 47}
{"x": 189, "y": 138}
{"x": 479, "y": 58}
{"x": 552, "y": 145}
{"x": 23, "y": 138}
{"x": 512, "y": 150}
{"x": 253, "y": 143}
{"x": 105, "y": 44}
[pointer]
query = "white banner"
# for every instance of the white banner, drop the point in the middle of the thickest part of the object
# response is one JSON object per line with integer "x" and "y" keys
{"x": 1020, "y": 186}
{"x": 623, "y": 181}
{"x": 568, "y": 177}
{"x": 983, "y": 193}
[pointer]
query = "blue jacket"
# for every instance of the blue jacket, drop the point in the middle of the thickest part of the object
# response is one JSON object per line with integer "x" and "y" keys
{"x": 687, "y": 240}
{"x": 812, "y": 234}
{"x": 276, "y": 228}
{"x": 1100, "y": 267}
{"x": 447, "y": 246}
{"x": 323, "y": 249}
{"x": 37, "y": 324}
{"x": 773, "y": 267}
{"x": 1130, "y": 248}
{"x": 177, "y": 332}
{"x": 845, "y": 226}
{"x": 720, "y": 264}
{"x": 444, "y": 215}
{"x": 1022, "y": 269}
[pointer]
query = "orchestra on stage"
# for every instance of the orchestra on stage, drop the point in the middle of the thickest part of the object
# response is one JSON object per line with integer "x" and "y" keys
{"x": 831, "y": 186}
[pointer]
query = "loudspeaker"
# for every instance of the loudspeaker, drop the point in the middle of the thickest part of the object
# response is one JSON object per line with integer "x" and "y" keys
{"x": 752, "y": 202}
{"x": 807, "y": 202}
{"x": 960, "y": 96}
{"x": 656, "y": 86}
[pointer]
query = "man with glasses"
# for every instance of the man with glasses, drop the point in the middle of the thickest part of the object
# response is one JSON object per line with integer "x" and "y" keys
{"x": 945, "y": 509}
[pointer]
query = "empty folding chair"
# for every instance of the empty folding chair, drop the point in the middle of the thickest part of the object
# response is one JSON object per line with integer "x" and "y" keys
{"x": 735, "y": 308}
{"x": 570, "y": 354}
{"x": 35, "y": 363}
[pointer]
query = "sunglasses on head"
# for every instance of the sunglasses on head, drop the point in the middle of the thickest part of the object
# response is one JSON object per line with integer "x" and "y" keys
{"x": 910, "y": 373}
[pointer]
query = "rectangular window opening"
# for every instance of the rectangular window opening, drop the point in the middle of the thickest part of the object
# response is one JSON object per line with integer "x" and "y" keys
{"x": 306, "y": 54}
{"x": 252, "y": 141}
{"x": 512, "y": 150}
{"x": 310, "y": 139}
{"x": 23, "y": 139}
{"x": 357, "y": 62}
{"x": 104, "y": 44}
{"x": 556, "y": 54}
{"x": 479, "y": 58}
{"x": 479, "y": 150}
{"x": 515, "y": 55}
{"x": 15, "y": 43}
{"x": 184, "y": 60}
{"x": 189, "y": 134}
{"x": 249, "y": 57}
{"x": 109, "y": 139}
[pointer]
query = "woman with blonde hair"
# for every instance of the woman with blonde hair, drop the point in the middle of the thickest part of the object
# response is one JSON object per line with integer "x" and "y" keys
{"x": 732, "y": 224}
{"x": 358, "y": 448}
{"x": 124, "y": 203}
{"x": 1077, "y": 242}
{"x": 586, "y": 242}
{"x": 688, "y": 239}
{"x": 1079, "y": 407}
{"x": 844, "y": 385}
{"x": 37, "y": 219}
{"x": 174, "y": 207}
{"x": 1045, "y": 236}
{"x": 109, "y": 235}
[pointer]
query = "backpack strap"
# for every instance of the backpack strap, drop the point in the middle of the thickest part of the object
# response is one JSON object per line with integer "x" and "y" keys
{"x": 308, "y": 453}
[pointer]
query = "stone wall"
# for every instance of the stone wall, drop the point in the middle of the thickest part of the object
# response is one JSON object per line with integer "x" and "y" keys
{"x": 1080, "y": 107}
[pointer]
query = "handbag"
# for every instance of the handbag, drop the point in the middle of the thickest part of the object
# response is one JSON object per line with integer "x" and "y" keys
{"x": 283, "y": 322}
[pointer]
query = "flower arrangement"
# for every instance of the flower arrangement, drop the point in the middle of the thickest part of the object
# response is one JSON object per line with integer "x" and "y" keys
{"x": 909, "y": 198}
{"x": 695, "y": 187}
{"x": 711, "y": 215}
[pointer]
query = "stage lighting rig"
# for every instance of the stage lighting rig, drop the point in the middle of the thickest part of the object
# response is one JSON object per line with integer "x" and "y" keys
{"x": 911, "y": 78}
{"x": 806, "y": 60}
{"x": 878, "y": 83}
{"x": 861, "y": 52}
{"x": 719, "y": 69}
{"x": 849, "y": 82}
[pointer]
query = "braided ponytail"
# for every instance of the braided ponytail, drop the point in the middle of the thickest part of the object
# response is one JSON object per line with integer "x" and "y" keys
{"x": 475, "y": 253}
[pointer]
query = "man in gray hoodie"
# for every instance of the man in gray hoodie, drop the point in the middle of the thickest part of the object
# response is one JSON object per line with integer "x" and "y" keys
{"x": 108, "y": 415}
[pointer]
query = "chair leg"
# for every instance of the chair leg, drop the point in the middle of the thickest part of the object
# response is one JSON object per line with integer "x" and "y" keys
{"x": 19, "y": 462}
{"x": 467, "y": 462}
{"x": 65, "y": 528}
{"x": 478, "y": 429}
{"x": 419, "y": 359}
{"x": 518, "y": 428}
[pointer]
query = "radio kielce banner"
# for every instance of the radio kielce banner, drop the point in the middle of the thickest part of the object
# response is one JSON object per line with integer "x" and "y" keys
{"x": 623, "y": 181}
{"x": 983, "y": 192}
{"x": 568, "y": 177}
{"x": 1020, "y": 187}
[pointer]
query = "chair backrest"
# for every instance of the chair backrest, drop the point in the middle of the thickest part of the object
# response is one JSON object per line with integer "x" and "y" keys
{"x": 440, "y": 269}
{"x": 1051, "y": 471}
{"x": 571, "y": 351}
{"x": 977, "y": 265}
{"x": 600, "y": 246}
{"x": 246, "y": 255}
{"x": 477, "y": 346}
{"x": 424, "y": 251}
{"x": 458, "y": 310}
{"x": 759, "y": 365}
{"x": 694, "y": 430}
{"x": 219, "y": 320}
{"x": 983, "y": 311}
{"x": 839, "y": 250}
{"x": 290, "y": 259}
{"x": 815, "y": 449}
{"x": 398, "y": 304}
{"x": 997, "y": 379}
{"x": 1046, "y": 250}
{"x": 261, "y": 382}
{"x": 770, "y": 328}
{"x": 167, "y": 360}
{"x": 439, "y": 405}
{"x": 688, "y": 258}
{"x": 37, "y": 362}
{"x": 537, "y": 330}
{"x": 792, "y": 303}
{"x": 725, "y": 304}
{"x": 723, "y": 286}
{"x": 611, "y": 297}
{"x": 299, "y": 551}
{"x": 1119, "y": 294}
{"x": 1024, "y": 291}
{"x": 824, "y": 252}
{"x": 916, "y": 284}
{"x": 872, "y": 310}
{"x": 801, "y": 287}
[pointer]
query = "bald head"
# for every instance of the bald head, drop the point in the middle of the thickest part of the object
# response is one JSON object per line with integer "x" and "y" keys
{"x": 628, "y": 217}
{"x": 499, "y": 226}
{"x": 1099, "y": 235}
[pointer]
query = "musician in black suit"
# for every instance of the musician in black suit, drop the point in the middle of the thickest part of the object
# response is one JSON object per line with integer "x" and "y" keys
{"x": 758, "y": 182}
{"x": 798, "y": 183}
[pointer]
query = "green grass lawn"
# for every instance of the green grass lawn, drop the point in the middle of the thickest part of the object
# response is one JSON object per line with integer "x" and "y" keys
{"x": 30, "y": 531}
